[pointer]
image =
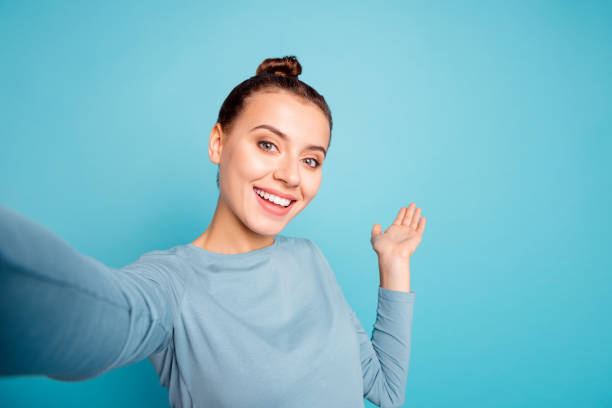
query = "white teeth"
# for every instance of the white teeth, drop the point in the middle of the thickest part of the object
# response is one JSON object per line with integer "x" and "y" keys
{"x": 275, "y": 199}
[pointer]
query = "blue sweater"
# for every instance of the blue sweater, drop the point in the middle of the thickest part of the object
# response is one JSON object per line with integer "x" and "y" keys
{"x": 266, "y": 328}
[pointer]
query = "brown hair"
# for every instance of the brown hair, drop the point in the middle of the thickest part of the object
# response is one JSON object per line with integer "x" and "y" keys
{"x": 281, "y": 73}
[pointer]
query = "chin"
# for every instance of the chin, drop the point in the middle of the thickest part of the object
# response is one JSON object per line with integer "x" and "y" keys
{"x": 268, "y": 230}
{"x": 266, "y": 227}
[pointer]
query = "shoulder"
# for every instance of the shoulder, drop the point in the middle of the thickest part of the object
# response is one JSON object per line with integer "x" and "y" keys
{"x": 164, "y": 268}
{"x": 303, "y": 246}
{"x": 163, "y": 261}
{"x": 169, "y": 253}
{"x": 293, "y": 243}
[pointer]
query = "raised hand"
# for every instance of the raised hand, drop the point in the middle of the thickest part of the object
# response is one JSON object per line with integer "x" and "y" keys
{"x": 402, "y": 237}
{"x": 395, "y": 246}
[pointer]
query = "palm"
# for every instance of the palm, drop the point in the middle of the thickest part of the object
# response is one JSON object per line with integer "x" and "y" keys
{"x": 402, "y": 237}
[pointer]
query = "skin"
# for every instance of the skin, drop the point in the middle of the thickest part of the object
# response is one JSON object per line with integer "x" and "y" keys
{"x": 240, "y": 224}
{"x": 248, "y": 158}
{"x": 396, "y": 245}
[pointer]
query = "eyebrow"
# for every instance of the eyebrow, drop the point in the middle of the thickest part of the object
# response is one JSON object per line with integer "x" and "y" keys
{"x": 284, "y": 136}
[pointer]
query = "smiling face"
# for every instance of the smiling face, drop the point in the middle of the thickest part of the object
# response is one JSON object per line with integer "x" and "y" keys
{"x": 276, "y": 145}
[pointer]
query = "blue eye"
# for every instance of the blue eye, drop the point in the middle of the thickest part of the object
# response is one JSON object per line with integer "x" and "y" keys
{"x": 266, "y": 143}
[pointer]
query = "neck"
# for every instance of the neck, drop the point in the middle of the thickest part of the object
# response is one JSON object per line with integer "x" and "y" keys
{"x": 227, "y": 234}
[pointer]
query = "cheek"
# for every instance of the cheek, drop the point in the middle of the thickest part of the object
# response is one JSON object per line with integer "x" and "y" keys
{"x": 247, "y": 163}
{"x": 310, "y": 184}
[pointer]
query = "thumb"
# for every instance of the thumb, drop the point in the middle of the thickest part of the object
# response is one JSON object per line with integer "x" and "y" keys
{"x": 376, "y": 230}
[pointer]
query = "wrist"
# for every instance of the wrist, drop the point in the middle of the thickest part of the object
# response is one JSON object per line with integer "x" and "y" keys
{"x": 395, "y": 274}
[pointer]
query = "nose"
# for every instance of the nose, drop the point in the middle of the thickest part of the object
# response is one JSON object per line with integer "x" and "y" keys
{"x": 288, "y": 172}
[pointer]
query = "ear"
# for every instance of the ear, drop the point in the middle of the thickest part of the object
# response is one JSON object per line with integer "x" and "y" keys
{"x": 215, "y": 143}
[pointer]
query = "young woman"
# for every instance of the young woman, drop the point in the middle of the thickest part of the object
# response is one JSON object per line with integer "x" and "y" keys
{"x": 240, "y": 317}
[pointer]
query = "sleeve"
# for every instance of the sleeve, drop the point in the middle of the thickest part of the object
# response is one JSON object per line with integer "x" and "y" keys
{"x": 385, "y": 355}
{"x": 68, "y": 316}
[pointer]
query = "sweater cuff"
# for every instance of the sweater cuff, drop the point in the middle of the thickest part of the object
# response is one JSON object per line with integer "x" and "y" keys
{"x": 396, "y": 295}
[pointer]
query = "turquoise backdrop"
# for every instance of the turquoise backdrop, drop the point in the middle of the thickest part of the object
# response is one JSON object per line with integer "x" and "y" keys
{"x": 494, "y": 117}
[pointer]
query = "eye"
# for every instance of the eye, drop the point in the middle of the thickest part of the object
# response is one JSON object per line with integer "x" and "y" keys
{"x": 267, "y": 145}
{"x": 316, "y": 162}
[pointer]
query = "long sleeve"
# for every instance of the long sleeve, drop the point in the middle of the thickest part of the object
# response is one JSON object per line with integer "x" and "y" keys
{"x": 385, "y": 355}
{"x": 68, "y": 316}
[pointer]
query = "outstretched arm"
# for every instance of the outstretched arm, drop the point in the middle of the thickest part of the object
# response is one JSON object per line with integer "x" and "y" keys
{"x": 68, "y": 316}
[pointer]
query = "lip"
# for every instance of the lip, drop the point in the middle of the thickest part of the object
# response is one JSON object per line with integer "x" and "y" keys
{"x": 271, "y": 207}
{"x": 276, "y": 193}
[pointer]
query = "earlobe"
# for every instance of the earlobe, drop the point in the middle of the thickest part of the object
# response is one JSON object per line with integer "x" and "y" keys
{"x": 215, "y": 143}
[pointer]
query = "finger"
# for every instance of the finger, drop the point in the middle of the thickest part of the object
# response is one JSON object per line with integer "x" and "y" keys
{"x": 421, "y": 227}
{"x": 400, "y": 216}
{"x": 415, "y": 218}
{"x": 408, "y": 215}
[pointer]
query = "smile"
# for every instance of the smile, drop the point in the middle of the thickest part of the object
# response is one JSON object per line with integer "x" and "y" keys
{"x": 271, "y": 203}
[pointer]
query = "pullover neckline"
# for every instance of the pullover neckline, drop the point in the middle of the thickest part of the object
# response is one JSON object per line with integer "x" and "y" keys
{"x": 217, "y": 256}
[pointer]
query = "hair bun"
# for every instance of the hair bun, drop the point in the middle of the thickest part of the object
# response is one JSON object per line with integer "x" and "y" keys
{"x": 285, "y": 66}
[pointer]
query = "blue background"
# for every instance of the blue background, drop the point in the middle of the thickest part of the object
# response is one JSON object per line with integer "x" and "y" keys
{"x": 494, "y": 117}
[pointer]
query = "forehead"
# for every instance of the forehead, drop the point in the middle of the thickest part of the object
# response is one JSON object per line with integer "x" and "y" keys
{"x": 298, "y": 118}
